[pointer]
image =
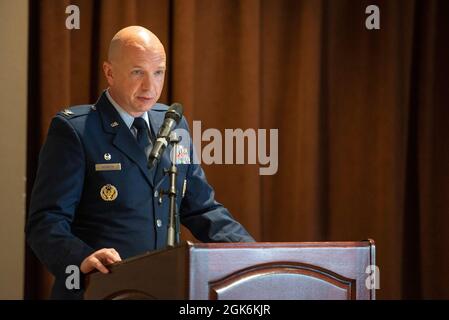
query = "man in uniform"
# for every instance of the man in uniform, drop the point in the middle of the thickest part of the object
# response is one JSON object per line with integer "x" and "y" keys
{"x": 94, "y": 201}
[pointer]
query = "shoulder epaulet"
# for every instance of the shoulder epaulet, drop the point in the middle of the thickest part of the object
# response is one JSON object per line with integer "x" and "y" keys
{"x": 76, "y": 111}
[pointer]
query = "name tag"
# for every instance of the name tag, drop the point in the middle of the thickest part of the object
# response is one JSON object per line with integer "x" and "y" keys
{"x": 108, "y": 166}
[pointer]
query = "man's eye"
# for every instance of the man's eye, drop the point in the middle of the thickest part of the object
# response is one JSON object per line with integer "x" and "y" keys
{"x": 159, "y": 72}
{"x": 137, "y": 72}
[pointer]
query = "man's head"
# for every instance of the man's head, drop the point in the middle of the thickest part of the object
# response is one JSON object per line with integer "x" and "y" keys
{"x": 135, "y": 69}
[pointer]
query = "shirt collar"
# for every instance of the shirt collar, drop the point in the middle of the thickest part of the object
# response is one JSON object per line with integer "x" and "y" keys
{"x": 126, "y": 117}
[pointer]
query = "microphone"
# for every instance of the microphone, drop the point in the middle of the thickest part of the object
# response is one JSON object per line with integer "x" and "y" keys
{"x": 172, "y": 118}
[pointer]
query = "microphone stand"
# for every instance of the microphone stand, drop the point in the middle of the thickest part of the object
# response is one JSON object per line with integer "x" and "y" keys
{"x": 173, "y": 229}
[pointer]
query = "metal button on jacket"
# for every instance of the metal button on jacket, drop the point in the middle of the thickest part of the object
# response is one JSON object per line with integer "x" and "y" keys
{"x": 159, "y": 223}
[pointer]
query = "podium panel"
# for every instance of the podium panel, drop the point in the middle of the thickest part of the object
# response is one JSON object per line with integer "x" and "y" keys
{"x": 250, "y": 271}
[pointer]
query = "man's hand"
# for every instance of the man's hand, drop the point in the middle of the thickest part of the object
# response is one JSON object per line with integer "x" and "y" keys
{"x": 99, "y": 259}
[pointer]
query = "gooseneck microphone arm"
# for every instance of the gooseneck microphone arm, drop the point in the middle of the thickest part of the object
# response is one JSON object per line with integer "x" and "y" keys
{"x": 173, "y": 229}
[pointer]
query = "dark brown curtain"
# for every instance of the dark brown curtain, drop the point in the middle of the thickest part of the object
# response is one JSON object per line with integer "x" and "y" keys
{"x": 362, "y": 115}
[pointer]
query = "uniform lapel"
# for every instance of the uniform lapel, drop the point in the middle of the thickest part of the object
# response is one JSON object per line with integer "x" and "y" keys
{"x": 124, "y": 139}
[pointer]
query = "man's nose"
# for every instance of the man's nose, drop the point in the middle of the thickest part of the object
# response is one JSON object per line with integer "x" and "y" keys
{"x": 148, "y": 83}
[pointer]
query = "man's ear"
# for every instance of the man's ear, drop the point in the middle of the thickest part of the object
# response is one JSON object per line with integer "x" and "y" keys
{"x": 107, "y": 69}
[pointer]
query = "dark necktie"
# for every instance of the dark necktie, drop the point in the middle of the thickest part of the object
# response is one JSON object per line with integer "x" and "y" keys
{"x": 143, "y": 138}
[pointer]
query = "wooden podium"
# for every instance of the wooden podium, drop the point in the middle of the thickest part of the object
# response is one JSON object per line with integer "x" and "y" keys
{"x": 249, "y": 271}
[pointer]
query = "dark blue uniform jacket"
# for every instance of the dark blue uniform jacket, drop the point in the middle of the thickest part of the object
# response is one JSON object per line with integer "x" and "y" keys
{"x": 69, "y": 217}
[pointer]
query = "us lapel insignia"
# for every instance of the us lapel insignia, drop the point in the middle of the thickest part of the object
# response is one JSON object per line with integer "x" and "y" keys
{"x": 114, "y": 124}
{"x": 108, "y": 192}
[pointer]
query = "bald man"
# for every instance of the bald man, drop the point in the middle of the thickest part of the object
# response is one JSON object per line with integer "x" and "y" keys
{"x": 94, "y": 201}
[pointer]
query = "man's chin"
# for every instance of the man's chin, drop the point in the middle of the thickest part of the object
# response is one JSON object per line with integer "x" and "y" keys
{"x": 144, "y": 106}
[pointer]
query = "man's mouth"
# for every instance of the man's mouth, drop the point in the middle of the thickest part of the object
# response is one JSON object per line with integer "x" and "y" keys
{"x": 145, "y": 98}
